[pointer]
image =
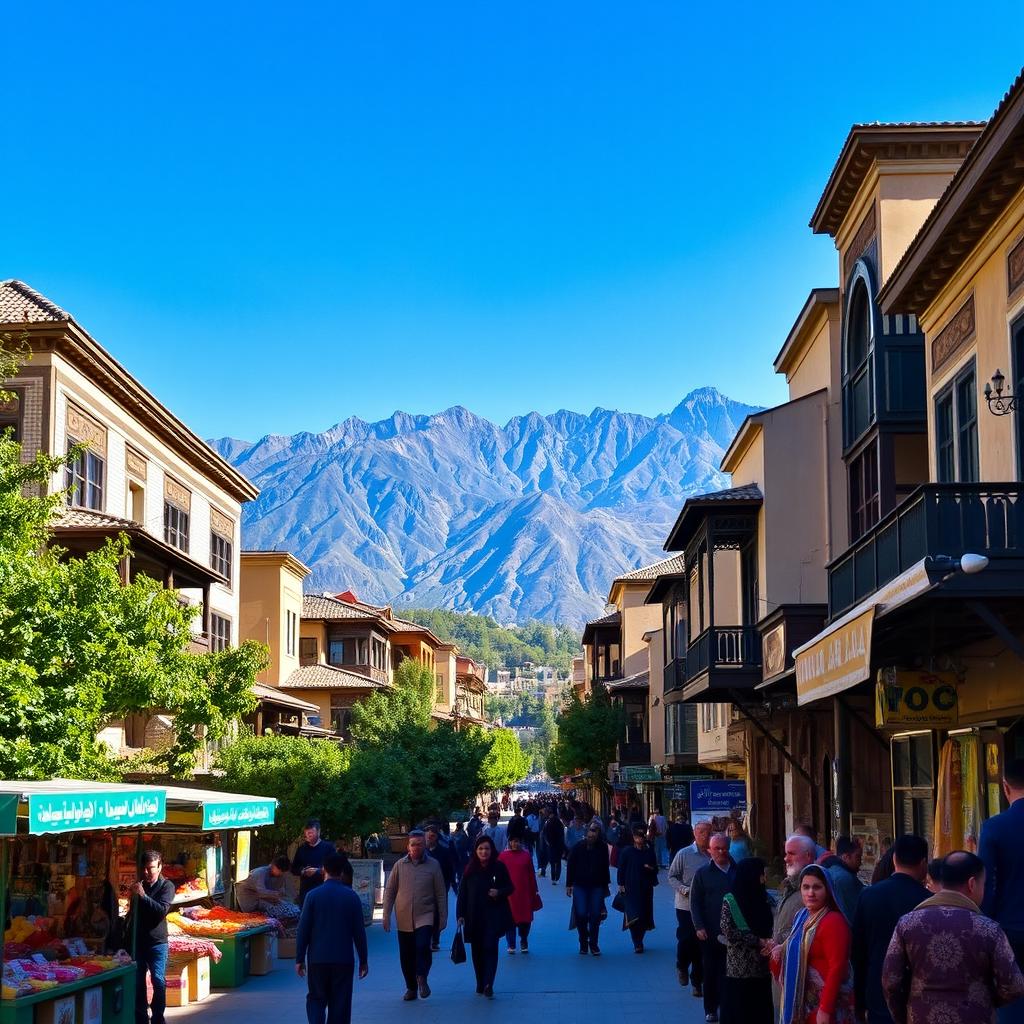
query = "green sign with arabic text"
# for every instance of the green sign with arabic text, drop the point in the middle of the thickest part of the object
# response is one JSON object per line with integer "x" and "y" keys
{"x": 80, "y": 812}
{"x": 239, "y": 814}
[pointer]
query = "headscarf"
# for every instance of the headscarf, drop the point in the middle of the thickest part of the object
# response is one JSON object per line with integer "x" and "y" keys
{"x": 798, "y": 947}
{"x": 749, "y": 898}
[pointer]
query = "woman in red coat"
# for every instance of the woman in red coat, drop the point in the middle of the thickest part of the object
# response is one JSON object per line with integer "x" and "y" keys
{"x": 525, "y": 899}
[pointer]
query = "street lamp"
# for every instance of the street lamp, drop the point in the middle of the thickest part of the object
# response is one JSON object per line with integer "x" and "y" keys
{"x": 969, "y": 564}
{"x": 998, "y": 403}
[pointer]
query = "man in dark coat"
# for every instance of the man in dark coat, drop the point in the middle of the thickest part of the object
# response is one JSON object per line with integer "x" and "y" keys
{"x": 1002, "y": 850}
{"x": 445, "y": 856}
{"x": 330, "y": 926}
{"x": 554, "y": 840}
{"x": 587, "y": 877}
{"x": 637, "y": 877}
{"x": 151, "y": 899}
{"x": 680, "y": 835}
{"x": 710, "y": 886}
{"x": 308, "y": 862}
{"x": 879, "y": 908}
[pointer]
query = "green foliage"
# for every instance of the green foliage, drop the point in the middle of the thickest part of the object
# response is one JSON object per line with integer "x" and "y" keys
{"x": 481, "y": 638}
{"x": 78, "y": 647}
{"x": 506, "y": 762}
{"x": 588, "y": 731}
{"x": 377, "y": 719}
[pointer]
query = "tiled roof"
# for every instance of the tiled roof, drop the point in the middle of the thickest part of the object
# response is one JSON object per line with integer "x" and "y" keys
{"x": 640, "y": 681}
{"x": 748, "y": 494}
{"x": 611, "y": 619}
{"x": 20, "y": 304}
{"x": 327, "y": 677}
{"x": 87, "y": 519}
{"x": 272, "y": 695}
{"x": 649, "y": 573}
{"x": 322, "y": 606}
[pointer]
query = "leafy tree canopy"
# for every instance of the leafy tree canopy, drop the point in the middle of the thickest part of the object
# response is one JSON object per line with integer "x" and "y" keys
{"x": 588, "y": 731}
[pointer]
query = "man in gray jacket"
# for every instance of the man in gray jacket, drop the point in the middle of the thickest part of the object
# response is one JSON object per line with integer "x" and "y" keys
{"x": 685, "y": 864}
{"x": 416, "y": 892}
{"x": 710, "y": 886}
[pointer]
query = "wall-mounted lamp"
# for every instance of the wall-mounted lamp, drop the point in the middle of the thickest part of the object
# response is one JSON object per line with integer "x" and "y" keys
{"x": 999, "y": 404}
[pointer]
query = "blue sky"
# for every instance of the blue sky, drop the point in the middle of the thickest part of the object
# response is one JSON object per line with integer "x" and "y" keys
{"x": 280, "y": 216}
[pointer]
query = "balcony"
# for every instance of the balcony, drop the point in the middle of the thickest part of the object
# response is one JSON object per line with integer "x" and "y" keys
{"x": 936, "y": 519}
{"x": 722, "y": 658}
{"x": 675, "y": 675}
{"x": 634, "y": 753}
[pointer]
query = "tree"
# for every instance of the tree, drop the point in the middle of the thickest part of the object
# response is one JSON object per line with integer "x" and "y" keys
{"x": 505, "y": 763}
{"x": 78, "y": 647}
{"x": 588, "y": 732}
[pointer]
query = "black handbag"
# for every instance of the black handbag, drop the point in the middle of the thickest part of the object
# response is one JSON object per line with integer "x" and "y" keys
{"x": 458, "y": 948}
{"x": 619, "y": 902}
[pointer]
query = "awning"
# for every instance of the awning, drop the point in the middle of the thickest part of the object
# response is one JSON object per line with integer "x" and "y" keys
{"x": 839, "y": 657}
{"x": 69, "y": 805}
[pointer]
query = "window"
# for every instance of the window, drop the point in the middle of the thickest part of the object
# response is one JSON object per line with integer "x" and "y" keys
{"x": 858, "y": 364}
{"x": 291, "y": 630}
{"x": 220, "y": 632}
{"x": 913, "y": 776}
{"x": 84, "y": 478}
{"x": 135, "y": 502}
{"x": 680, "y": 729}
{"x": 956, "y": 429}
{"x": 175, "y": 526}
{"x": 945, "y": 456}
{"x": 10, "y": 415}
{"x": 220, "y": 556}
{"x": 336, "y": 652}
{"x": 864, "y": 503}
{"x": 341, "y": 716}
{"x": 308, "y": 650}
{"x": 380, "y": 654}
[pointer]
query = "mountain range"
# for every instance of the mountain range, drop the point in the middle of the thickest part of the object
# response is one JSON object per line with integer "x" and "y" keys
{"x": 531, "y": 520}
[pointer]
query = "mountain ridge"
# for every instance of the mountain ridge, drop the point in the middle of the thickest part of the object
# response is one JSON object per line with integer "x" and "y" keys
{"x": 530, "y": 520}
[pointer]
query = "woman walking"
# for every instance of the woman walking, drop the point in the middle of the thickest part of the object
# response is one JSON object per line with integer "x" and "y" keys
{"x": 637, "y": 877}
{"x": 482, "y": 910}
{"x": 813, "y": 963}
{"x": 747, "y": 931}
{"x": 525, "y": 898}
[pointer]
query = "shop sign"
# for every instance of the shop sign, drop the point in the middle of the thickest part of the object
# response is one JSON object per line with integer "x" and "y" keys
{"x": 79, "y": 812}
{"x": 8, "y": 814}
{"x": 716, "y": 799}
{"x": 678, "y": 792}
{"x": 923, "y": 699}
{"x": 837, "y": 661}
{"x": 368, "y": 883}
{"x": 239, "y": 814}
{"x": 642, "y": 773}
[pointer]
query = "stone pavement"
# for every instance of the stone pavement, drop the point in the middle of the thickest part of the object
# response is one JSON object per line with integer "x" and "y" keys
{"x": 553, "y": 983}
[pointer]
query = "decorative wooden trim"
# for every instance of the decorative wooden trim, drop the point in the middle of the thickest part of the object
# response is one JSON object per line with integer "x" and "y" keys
{"x": 1015, "y": 267}
{"x": 222, "y": 524}
{"x": 135, "y": 464}
{"x": 957, "y": 332}
{"x": 177, "y": 494}
{"x": 860, "y": 242}
{"x": 82, "y": 427}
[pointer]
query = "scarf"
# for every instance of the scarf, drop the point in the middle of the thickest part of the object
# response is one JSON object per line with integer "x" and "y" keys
{"x": 796, "y": 957}
{"x": 949, "y": 898}
{"x": 737, "y": 914}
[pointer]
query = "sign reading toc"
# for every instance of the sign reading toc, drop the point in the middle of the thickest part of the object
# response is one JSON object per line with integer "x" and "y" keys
{"x": 924, "y": 699}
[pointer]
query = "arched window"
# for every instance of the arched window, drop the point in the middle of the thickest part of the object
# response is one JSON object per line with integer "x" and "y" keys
{"x": 858, "y": 355}
{"x": 858, "y": 329}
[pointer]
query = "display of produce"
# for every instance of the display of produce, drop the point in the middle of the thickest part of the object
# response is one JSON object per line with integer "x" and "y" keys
{"x": 24, "y": 976}
{"x": 190, "y": 946}
{"x": 218, "y": 922}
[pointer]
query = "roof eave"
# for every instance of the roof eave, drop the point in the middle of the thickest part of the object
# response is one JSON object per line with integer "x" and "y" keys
{"x": 809, "y": 317}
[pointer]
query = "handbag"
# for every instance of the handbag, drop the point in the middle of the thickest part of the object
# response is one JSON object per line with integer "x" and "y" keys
{"x": 458, "y": 948}
{"x": 538, "y": 903}
{"x": 619, "y": 902}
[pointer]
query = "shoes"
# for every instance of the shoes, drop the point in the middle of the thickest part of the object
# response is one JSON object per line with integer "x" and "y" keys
{"x": 479, "y": 990}
{"x": 584, "y": 951}
{"x": 489, "y": 993}
{"x": 683, "y": 975}
{"x": 410, "y": 995}
{"x": 698, "y": 992}
{"x": 638, "y": 948}
{"x": 511, "y": 950}
{"x": 543, "y": 873}
{"x": 595, "y": 950}
{"x": 554, "y": 881}
{"x": 523, "y": 947}
{"x": 424, "y": 988}
{"x": 711, "y": 1018}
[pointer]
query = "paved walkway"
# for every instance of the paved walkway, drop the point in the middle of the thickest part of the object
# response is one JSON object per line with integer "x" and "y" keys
{"x": 553, "y": 983}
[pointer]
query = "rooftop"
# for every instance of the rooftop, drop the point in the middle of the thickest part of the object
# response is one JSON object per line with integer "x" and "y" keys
{"x": 327, "y": 677}
{"x": 649, "y": 573}
{"x": 749, "y": 496}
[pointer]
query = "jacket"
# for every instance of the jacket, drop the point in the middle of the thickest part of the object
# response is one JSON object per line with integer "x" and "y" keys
{"x": 587, "y": 866}
{"x": 554, "y": 834}
{"x": 685, "y": 864}
{"x": 483, "y": 916}
{"x": 878, "y": 910}
{"x": 330, "y": 925}
{"x": 1001, "y": 847}
{"x": 415, "y": 891}
{"x": 679, "y": 836}
{"x": 519, "y": 864}
{"x": 788, "y": 906}
{"x": 151, "y": 911}
{"x": 710, "y": 884}
{"x": 445, "y": 856}
{"x": 307, "y": 856}
{"x": 847, "y": 885}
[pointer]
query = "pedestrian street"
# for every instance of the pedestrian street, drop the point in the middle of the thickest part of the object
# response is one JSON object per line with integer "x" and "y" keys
{"x": 552, "y": 982}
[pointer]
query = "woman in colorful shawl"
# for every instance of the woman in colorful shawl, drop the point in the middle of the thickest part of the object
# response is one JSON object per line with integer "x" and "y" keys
{"x": 747, "y": 931}
{"x": 813, "y": 964}
{"x": 637, "y": 877}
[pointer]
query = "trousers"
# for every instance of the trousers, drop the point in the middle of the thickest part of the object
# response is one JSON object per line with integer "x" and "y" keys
{"x": 154, "y": 960}
{"x": 555, "y": 863}
{"x": 588, "y": 902}
{"x": 713, "y": 953}
{"x": 688, "y": 952}
{"x": 524, "y": 934}
{"x": 484, "y": 953}
{"x": 414, "y": 954}
{"x": 329, "y": 993}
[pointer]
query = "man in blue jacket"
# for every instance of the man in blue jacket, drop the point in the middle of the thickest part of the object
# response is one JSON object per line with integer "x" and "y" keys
{"x": 330, "y": 927}
{"x": 1001, "y": 847}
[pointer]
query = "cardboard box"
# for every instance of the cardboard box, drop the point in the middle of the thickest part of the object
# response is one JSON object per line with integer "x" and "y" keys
{"x": 286, "y": 948}
{"x": 177, "y": 983}
{"x": 90, "y": 1005}
{"x": 58, "y": 1011}
{"x": 263, "y": 953}
{"x": 198, "y": 979}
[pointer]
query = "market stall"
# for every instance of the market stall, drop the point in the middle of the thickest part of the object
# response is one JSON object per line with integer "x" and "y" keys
{"x": 63, "y": 958}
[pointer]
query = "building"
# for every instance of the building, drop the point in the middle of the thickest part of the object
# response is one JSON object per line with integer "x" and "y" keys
{"x": 471, "y": 691}
{"x": 142, "y": 473}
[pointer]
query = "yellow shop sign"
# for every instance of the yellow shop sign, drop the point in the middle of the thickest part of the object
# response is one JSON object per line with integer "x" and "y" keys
{"x": 838, "y": 659}
{"x": 923, "y": 699}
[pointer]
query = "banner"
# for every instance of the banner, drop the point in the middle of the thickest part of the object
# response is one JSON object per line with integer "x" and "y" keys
{"x": 238, "y": 814}
{"x": 923, "y": 699}
{"x": 80, "y": 812}
{"x": 717, "y": 799}
{"x": 641, "y": 773}
{"x": 837, "y": 661}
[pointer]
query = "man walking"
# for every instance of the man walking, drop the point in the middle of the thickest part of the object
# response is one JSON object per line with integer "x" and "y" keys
{"x": 151, "y": 899}
{"x": 498, "y": 833}
{"x": 879, "y": 908}
{"x": 1002, "y": 850}
{"x": 554, "y": 842}
{"x": 657, "y": 829}
{"x": 445, "y": 857}
{"x": 710, "y": 886}
{"x": 330, "y": 927}
{"x": 679, "y": 836}
{"x": 415, "y": 891}
{"x": 308, "y": 862}
{"x": 946, "y": 961}
{"x": 685, "y": 864}
{"x": 587, "y": 877}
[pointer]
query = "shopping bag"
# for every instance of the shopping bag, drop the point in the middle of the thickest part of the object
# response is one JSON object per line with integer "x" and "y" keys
{"x": 458, "y": 948}
{"x": 619, "y": 902}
